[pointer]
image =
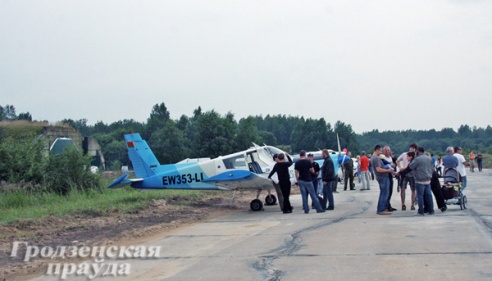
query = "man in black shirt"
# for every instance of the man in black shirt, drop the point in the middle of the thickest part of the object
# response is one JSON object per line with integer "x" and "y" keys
{"x": 303, "y": 169}
{"x": 328, "y": 175}
{"x": 282, "y": 170}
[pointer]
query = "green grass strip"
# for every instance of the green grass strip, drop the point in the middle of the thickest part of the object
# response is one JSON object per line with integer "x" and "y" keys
{"x": 18, "y": 205}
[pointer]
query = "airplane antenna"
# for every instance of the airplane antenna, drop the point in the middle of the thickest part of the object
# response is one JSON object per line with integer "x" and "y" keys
{"x": 339, "y": 148}
{"x": 340, "y": 153}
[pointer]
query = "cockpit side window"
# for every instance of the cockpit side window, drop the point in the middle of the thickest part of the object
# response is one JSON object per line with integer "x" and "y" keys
{"x": 234, "y": 162}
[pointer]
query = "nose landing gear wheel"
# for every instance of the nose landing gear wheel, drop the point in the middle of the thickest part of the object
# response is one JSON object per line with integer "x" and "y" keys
{"x": 256, "y": 205}
{"x": 270, "y": 200}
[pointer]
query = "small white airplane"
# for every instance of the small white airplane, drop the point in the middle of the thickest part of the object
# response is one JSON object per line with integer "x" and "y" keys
{"x": 243, "y": 170}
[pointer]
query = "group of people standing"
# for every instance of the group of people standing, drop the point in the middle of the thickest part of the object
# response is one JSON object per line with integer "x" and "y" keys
{"x": 414, "y": 168}
{"x": 306, "y": 170}
{"x": 419, "y": 170}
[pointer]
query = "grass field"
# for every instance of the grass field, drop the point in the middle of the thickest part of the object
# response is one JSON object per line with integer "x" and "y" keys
{"x": 18, "y": 205}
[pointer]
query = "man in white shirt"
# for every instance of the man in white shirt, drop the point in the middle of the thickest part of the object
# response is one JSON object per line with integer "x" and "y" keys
{"x": 402, "y": 163}
{"x": 461, "y": 166}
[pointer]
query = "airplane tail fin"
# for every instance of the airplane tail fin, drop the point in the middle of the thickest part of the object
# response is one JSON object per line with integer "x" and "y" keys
{"x": 143, "y": 159}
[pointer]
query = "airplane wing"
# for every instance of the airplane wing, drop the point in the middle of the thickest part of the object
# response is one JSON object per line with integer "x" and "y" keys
{"x": 239, "y": 179}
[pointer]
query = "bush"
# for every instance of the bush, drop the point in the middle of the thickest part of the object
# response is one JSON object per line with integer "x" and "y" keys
{"x": 68, "y": 171}
{"x": 21, "y": 160}
{"x": 115, "y": 166}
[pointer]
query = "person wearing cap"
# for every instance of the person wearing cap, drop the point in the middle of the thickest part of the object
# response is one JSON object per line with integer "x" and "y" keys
{"x": 303, "y": 169}
{"x": 422, "y": 168}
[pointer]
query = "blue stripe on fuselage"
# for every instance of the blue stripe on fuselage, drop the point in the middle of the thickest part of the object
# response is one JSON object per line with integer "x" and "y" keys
{"x": 176, "y": 176}
{"x": 230, "y": 175}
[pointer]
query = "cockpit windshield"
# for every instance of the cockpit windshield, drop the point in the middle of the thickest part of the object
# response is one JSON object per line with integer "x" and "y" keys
{"x": 272, "y": 150}
{"x": 261, "y": 160}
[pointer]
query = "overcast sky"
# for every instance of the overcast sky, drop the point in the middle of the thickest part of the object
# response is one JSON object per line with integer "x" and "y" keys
{"x": 387, "y": 65}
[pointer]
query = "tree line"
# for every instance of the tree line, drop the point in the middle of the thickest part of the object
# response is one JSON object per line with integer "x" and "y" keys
{"x": 210, "y": 134}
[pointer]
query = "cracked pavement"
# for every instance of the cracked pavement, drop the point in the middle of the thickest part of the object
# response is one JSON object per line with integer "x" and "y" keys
{"x": 349, "y": 243}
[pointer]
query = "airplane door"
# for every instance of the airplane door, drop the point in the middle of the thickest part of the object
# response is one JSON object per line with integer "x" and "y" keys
{"x": 265, "y": 158}
{"x": 253, "y": 162}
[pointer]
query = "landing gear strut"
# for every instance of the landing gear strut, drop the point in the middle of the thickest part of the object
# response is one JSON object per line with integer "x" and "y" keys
{"x": 257, "y": 205}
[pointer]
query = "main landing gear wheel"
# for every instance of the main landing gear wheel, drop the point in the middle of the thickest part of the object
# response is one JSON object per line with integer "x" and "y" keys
{"x": 256, "y": 205}
{"x": 270, "y": 200}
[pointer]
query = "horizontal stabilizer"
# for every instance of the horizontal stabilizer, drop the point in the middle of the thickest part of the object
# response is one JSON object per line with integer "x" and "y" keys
{"x": 122, "y": 181}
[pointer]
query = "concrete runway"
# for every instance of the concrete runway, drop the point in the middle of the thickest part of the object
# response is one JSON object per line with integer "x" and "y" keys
{"x": 350, "y": 243}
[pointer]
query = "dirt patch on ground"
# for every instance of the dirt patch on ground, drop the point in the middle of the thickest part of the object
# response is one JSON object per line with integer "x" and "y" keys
{"x": 92, "y": 229}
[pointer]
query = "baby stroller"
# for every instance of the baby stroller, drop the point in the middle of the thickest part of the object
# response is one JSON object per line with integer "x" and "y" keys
{"x": 451, "y": 189}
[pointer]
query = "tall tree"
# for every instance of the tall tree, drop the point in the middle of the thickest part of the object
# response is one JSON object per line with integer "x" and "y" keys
{"x": 464, "y": 131}
{"x": 267, "y": 138}
{"x": 7, "y": 113}
{"x": 348, "y": 138}
{"x": 247, "y": 133}
{"x": 213, "y": 135}
{"x": 168, "y": 143}
{"x": 157, "y": 119}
